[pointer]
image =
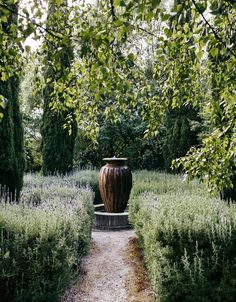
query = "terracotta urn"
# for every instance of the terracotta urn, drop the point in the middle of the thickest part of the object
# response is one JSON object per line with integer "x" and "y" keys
{"x": 115, "y": 182}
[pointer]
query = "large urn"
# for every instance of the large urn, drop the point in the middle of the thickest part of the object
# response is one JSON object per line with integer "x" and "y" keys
{"x": 115, "y": 182}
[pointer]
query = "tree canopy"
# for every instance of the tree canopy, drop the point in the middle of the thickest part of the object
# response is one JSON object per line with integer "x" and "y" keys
{"x": 193, "y": 63}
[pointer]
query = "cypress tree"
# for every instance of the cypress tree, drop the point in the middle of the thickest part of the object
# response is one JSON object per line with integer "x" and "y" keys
{"x": 11, "y": 132}
{"x": 171, "y": 140}
{"x": 186, "y": 134}
{"x": 18, "y": 137}
{"x": 57, "y": 142}
{"x": 178, "y": 136}
{"x": 7, "y": 153}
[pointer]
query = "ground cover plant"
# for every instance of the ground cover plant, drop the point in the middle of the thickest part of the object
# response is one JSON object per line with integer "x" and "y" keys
{"x": 188, "y": 239}
{"x": 43, "y": 238}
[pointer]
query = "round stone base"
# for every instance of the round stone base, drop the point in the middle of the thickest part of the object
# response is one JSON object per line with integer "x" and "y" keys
{"x": 109, "y": 221}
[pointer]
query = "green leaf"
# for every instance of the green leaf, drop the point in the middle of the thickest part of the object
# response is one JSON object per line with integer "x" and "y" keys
{"x": 27, "y": 48}
{"x": 4, "y": 19}
{"x": 214, "y": 52}
{"x": 116, "y": 2}
{"x": 165, "y": 17}
{"x": 200, "y": 54}
{"x": 3, "y": 101}
{"x": 167, "y": 32}
{"x": 155, "y": 3}
{"x": 186, "y": 27}
{"x": 6, "y": 255}
{"x": 25, "y": 11}
{"x": 201, "y": 7}
{"x": 122, "y": 3}
{"x": 177, "y": 8}
{"x": 101, "y": 57}
{"x": 29, "y": 30}
{"x": 161, "y": 58}
{"x": 59, "y": 2}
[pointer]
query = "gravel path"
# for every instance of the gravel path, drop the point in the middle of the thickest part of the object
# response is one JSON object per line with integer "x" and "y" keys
{"x": 104, "y": 271}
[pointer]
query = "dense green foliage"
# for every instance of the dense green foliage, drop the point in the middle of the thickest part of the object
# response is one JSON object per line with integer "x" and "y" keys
{"x": 180, "y": 67}
{"x": 57, "y": 139}
{"x": 192, "y": 63}
{"x": 177, "y": 135}
{"x": 188, "y": 239}
{"x": 43, "y": 238}
{"x": 11, "y": 132}
{"x": 121, "y": 139}
{"x": 33, "y": 141}
{"x": 31, "y": 100}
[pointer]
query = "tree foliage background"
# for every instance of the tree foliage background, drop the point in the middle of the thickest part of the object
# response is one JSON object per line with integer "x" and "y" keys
{"x": 192, "y": 63}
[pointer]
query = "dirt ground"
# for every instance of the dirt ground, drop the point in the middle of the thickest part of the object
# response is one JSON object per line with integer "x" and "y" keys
{"x": 112, "y": 272}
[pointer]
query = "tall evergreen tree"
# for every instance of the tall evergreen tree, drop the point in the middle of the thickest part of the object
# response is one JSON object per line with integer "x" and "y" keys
{"x": 11, "y": 131}
{"x": 57, "y": 141}
{"x": 178, "y": 136}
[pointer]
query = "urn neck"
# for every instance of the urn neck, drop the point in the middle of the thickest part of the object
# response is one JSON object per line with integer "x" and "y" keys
{"x": 115, "y": 164}
{"x": 113, "y": 161}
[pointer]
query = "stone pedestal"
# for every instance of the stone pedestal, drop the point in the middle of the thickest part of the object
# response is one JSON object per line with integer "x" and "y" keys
{"x": 110, "y": 221}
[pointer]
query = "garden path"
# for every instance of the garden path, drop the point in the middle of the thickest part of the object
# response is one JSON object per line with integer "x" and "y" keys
{"x": 107, "y": 272}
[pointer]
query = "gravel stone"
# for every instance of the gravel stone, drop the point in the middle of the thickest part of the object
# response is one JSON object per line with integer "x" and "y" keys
{"x": 103, "y": 272}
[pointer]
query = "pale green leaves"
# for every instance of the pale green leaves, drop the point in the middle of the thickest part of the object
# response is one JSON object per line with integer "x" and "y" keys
{"x": 214, "y": 52}
{"x": 101, "y": 57}
{"x": 59, "y": 2}
{"x": 4, "y": 19}
{"x": 119, "y": 3}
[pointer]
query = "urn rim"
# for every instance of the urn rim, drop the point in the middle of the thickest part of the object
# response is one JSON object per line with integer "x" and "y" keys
{"x": 115, "y": 159}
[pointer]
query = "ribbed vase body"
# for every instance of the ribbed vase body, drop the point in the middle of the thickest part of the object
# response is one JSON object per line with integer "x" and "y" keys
{"x": 115, "y": 182}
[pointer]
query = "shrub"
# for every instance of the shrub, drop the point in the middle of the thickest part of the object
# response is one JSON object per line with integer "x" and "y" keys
{"x": 156, "y": 182}
{"x": 80, "y": 178}
{"x": 43, "y": 238}
{"x": 88, "y": 178}
{"x": 189, "y": 243}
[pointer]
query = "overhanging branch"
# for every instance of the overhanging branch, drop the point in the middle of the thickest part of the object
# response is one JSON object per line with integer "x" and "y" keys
{"x": 218, "y": 37}
{"x": 4, "y": 6}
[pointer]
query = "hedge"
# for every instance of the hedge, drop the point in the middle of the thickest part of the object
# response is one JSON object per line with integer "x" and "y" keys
{"x": 90, "y": 179}
{"x": 43, "y": 238}
{"x": 189, "y": 243}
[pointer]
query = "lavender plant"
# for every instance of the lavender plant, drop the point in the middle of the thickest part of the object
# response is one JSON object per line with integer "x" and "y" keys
{"x": 189, "y": 239}
{"x": 43, "y": 238}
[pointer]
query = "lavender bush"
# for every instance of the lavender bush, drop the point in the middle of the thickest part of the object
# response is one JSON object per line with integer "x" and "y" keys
{"x": 189, "y": 240}
{"x": 43, "y": 238}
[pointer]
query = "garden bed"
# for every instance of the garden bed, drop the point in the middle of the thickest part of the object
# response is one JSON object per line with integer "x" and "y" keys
{"x": 43, "y": 238}
{"x": 189, "y": 241}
